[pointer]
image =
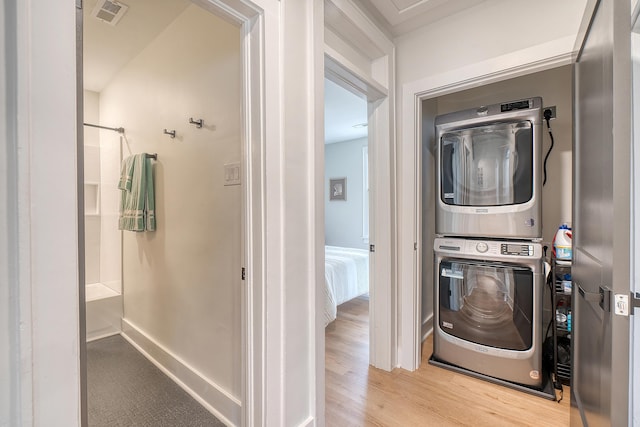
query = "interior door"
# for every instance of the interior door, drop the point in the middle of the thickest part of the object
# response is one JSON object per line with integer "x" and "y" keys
{"x": 635, "y": 341}
{"x": 601, "y": 221}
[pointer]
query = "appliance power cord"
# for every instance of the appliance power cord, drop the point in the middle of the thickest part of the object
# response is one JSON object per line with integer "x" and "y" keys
{"x": 547, "y": 116}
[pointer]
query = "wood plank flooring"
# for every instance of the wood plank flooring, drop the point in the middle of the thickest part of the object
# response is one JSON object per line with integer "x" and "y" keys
{"x": 359, "y": 395}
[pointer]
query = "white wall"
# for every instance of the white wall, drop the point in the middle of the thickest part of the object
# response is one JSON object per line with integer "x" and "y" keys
{"x": 488, "y": 30}
{"x": 111, "y": 149}
{"x": 344, "y": 218}
{"x": 182, "y": 282}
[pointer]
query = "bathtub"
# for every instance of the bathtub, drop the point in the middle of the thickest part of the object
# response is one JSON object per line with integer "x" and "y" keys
{"x": 104, "y": 311}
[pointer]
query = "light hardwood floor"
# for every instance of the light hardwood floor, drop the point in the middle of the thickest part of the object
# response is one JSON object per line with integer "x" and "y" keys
{"x": 359, "y": 395}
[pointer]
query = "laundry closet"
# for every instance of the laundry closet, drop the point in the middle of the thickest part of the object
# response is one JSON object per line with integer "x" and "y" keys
{"x": 494, "y": 190}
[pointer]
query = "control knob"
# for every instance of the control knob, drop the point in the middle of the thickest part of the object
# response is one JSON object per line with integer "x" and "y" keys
{"x": 482, "y": 247}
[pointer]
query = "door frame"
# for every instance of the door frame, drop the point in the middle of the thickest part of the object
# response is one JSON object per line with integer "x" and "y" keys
{"x": 368, "y": 69}
{"x": 250, "y": 17}
{"x": 411, "y": 251}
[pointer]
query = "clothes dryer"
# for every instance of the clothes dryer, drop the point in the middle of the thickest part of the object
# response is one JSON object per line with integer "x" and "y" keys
{"x": 489, "y": 171}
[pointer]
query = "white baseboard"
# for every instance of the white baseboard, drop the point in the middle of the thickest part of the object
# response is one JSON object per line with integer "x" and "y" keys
{"x": 214, "y": 398}
{"x": 427, "y": 327}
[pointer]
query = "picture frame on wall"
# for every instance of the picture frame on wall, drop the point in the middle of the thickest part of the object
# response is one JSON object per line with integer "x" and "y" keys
{"x": 338, "y": 189}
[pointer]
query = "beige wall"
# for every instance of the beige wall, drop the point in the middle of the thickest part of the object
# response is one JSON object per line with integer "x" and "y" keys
{"x": 182, "y": 282}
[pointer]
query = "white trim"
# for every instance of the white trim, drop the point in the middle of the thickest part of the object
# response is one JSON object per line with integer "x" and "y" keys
{"x": 46, "y": 291}
{"x": 341, "y": 71}
{"x": 316, "y": 190}
{"x": 226, "y": 407}
{"x": 533, "y": 59}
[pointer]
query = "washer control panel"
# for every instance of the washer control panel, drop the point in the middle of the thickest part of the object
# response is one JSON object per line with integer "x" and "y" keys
{"x": 487, "y": 248}
{"x": 517, "y": 249}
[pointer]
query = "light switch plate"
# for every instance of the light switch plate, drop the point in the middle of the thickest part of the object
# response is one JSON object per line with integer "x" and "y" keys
{"x": 232, "y": 174}
{"x": 621, "y": 304}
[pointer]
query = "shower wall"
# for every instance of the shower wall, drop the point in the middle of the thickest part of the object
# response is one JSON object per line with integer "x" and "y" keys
{"x": 101, "y": 170}
{"x": 102, "y": 239}
{"x": 182, "y": 282}
{"x": 92, "y": 188}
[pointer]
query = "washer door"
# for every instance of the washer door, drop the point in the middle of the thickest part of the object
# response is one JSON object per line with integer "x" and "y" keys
{"x": 488, "y": 304}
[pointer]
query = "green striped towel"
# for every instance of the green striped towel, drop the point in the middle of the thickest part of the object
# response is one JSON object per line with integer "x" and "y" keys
{"x": 137, "y": 201}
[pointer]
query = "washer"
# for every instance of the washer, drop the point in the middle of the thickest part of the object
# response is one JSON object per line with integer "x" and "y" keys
{"x": 488, "y": 307}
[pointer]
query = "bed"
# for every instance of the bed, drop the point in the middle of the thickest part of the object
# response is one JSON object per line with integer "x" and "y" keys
{"x": 346, "y": 277}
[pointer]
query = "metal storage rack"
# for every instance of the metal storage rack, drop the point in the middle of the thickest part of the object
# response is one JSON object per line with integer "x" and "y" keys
{"x": 561, "y": 320}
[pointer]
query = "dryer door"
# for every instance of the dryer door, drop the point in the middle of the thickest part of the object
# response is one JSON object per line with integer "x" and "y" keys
{"x": 490, "y": 165}
{"x": 488, "y": 304}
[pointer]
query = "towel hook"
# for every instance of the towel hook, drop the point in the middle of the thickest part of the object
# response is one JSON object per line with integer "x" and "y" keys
{"x": 170, "y": 132}
{"x": 198, "y": 122}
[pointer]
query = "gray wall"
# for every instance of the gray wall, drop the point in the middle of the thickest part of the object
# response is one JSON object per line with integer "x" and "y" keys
{"x": 344, "y": 219}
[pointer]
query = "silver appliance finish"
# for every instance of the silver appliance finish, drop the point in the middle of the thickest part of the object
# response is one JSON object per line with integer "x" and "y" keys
{"x": 484, "y": 175}
{"x": 517, "y": 366}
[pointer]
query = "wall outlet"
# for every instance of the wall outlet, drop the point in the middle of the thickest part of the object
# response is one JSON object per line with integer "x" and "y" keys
{"x": 553, "y": 111}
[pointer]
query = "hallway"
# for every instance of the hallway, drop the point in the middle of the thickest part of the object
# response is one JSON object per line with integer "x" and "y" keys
{"x": 125, "y": 389}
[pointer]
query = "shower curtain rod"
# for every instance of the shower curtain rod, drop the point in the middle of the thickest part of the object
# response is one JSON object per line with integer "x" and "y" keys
{"x": 119, "y": 130}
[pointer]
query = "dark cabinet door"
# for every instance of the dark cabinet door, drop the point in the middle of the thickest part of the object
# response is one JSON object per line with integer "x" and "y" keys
{"x": 601, "y": 221}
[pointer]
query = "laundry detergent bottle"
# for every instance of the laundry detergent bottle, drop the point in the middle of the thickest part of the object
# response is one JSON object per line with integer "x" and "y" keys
{"x": 562, "y": 243}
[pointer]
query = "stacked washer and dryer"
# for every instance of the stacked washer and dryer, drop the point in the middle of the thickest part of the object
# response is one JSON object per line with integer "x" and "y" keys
{"x": 489, "y": 270}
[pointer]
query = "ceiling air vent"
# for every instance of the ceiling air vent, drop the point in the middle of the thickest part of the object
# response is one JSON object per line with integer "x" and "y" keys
{"x": 109, "y": 11}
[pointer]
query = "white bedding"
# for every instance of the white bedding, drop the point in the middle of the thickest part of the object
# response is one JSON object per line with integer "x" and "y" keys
{"x": 346, "y": 277}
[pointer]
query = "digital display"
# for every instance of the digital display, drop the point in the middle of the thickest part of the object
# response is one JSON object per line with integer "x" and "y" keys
{"x": 518, "y": 105}
{"x": 515, "y": 249}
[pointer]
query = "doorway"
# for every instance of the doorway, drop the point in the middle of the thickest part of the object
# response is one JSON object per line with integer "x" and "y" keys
{"x": 180, "y": 300}
{"x": 346, "y": 231}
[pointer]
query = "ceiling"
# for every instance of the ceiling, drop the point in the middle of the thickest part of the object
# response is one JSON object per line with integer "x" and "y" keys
{"x": 107, "y": 49}
{"x": 399, "y": 17}
{"x": 342, "y": 111}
